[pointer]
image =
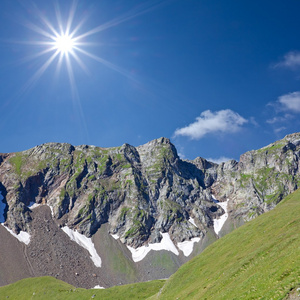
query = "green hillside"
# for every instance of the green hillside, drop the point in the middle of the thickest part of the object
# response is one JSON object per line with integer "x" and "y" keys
{"x": 260, "y": 260}
{"x": 49, "y": 288}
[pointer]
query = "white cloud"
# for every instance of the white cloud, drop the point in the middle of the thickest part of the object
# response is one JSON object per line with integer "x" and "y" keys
{"x": 277, "y": 130}
{"x": 219, "y": 160}
{"x": 290, "y": 102}
{"x": 253, "y": 122}
{"x": 284, "y": 118}
{"x": 181, "y": 155}
{"x": 275, "y": 120}
{"x": 291, "y": 60}
{"x": 210, "y": 122}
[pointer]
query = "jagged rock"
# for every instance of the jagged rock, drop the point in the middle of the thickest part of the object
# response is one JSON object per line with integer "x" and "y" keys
{"x": 145, "y": 189}
{"x": 260, "y": 179}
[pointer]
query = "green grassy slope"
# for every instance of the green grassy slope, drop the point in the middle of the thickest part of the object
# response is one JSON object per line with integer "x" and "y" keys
{"x": 49, "y": 288}
{"x": 260, "y": 260}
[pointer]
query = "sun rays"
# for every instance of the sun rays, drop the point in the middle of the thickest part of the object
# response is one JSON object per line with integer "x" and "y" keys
{"x": 62, "y": 40}
{"x": 57, "y": 40}
{"x": 66, "y": 42}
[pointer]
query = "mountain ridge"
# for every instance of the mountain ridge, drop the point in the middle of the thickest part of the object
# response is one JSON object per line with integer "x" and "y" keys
{"x": 144, "y": 196}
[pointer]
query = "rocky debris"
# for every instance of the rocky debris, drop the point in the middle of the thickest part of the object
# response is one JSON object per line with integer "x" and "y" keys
{"x": 13, "y": 263}
{"x": 52, "y": 252}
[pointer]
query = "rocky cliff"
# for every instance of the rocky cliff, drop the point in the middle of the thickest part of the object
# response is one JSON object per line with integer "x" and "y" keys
{"x": 145, "y": 197}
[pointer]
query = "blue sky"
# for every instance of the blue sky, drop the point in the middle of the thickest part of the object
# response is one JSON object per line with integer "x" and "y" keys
{"x": 218, "y": 78}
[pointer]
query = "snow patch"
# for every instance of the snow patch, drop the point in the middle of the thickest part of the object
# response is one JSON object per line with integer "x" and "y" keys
{"x": 84, "y": 242}
{"x": 52, "y": 211}
{"x": 98, "y": 287}
{"x": 33, "y": 205}
{"x": 115, "y": 236}
{"x": 165, "y": 244}
{"x": 2, "y": 209}
{"x": 191, "y": 220}
{"x": 23, "y": 236}
{"x": 187, "y": 246}
{"x": 218, "y": 223}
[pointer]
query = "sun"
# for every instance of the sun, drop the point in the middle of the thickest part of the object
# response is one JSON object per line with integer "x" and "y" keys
{"x": 64, "y": 43}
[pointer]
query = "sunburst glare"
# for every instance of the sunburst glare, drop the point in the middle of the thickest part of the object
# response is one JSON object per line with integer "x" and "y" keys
{"x": 64, "y": 43}
{"x": 67, "y": 42}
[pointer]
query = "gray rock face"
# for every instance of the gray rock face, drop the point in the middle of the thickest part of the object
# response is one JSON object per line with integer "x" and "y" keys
{"x": 261, "y": 179}
{"x": 140, "y": 192}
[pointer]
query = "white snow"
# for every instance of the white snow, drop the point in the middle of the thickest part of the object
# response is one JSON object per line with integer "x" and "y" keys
{"x": 187, "y": 246}
{"x": 23, "y": 236}
{"x": 52, "y": 211}
{"x": 2, "y": 209}
{"x": 191, "y": 220}
{"x": 98, "y": 287}
{"x": 33, "y": 205}
{"x": 218, "y": 223}
{"x": 115, "y": 236}
{"x": 84, "y": 242}
{"x": 165, "y": 244}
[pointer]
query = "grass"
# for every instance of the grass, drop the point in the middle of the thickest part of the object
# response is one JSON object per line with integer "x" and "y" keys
{"x": 260, "y": 260}
{"x": 35, "y": 288}
{"x": 272, "y": 148}
{"x": 18, "y": 162}
{"x": 163, "y": 260}
{"x": 46, "y": 288}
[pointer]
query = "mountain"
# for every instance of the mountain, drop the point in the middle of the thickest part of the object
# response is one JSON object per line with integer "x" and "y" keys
{"x": 104, "y": 216}
{"x": 259, "y": 260}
